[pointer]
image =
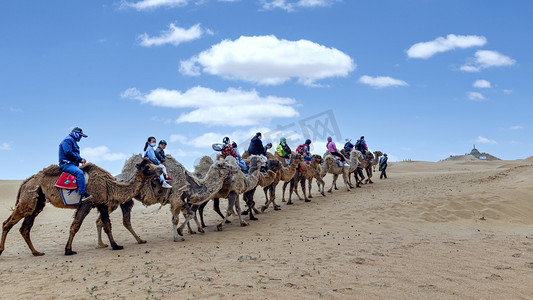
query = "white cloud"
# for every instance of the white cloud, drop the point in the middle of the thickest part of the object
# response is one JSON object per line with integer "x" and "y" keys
{"x": 381, "y": 81}
{"x": 5, "y": 146}
{"x": 481, "y": 84}
{"x": 483, "y": 140}
{"x": 291, "y": 6}
{"x": 182, "y": 153}
{"x": 514, "y": 142}
{"x": 508, "y": 91}
{"x": 268, "y": 60}
{"x": 152, "y": 4}
{"x": 516, "y": 127}
{"x": 101, "y": 153}
{"x": 428, "y": 49}
{"x": 486, "y": 59}
{"x": 174, "y": 35}
{"x": 475, "y": 96}
{"x": 233, "y": 107}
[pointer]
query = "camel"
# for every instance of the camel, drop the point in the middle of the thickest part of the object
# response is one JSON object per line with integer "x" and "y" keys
{"x": 367, "y": 165}
{"x": 317, "y": 169}
{"x": 231, "y": 190}
{"x": 375, "y": 162}
{"x": 284, "y": 174}
{"x": 183, "y": 180}
{"x": 40, "y": 188}
{"x": 273, "y": 167}
{"x": 264, "y": 180}
{"x": 305, "y": 172}
{"x": 337, "y": 170}
{"x": 356, "y": 168}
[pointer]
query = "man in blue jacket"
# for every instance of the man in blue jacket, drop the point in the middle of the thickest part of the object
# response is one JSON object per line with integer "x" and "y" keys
{"x": 69, "y": 159}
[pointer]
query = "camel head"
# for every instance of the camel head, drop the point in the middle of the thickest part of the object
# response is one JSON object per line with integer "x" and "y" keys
{"x": 356, "y": 155}
{"x": 295, "y": 158}
{"x": 330, "y": 160}
{"x": 274, "y": 165}
{"x": 255, "y": 163}
{"x": 316, "y": 159}
{"x": 378, "y": 153}
{"x": 148, "y": 169}
{"x": 224, "y": 169}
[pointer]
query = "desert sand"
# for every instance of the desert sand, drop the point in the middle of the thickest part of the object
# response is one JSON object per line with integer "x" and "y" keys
{"x": 459, "y": 229}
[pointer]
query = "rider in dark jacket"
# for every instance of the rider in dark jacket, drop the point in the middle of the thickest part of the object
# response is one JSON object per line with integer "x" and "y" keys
{"x": 69, "y": 159}
{"x": 256, "y": 146}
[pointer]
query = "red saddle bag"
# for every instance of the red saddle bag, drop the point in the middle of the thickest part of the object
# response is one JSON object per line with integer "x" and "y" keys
{"x": 67, "y": 181}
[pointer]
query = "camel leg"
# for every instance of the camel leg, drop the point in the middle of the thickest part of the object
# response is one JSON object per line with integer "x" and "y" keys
{"x": 321, "y": 185}
{"x": 249, "y": 199}
{"x": 104, "y": 216}
{"x": 216, "y": 208}
{"x": 82, "y": 212}
{"x": 195, "y": 209}
{"x": 345, "y": 178}
{"x": 291, "y": 188}
{"x": 187, "y": 212}
{"x": 176, "y": 230}
{"x": 200, "y": 211}
{"x": 302, "y": 184}
{"x": 283, "y": 191}
{"x": 369, "y": 174}
{"x": 99, "y": 227}
{"x": 296, "y": 189}
{"x": 238, "y": 208}
{"x": 28, "y": 224}
{"x": 335, "y": 176}
{"x": 273, "y": 196}
{"x": 15, "y": 217}
{"x": 310, "y": 186}
{"x": 265, "y": 190}
{"x": 126, "y": 220}
{"x": 231, "y": 203}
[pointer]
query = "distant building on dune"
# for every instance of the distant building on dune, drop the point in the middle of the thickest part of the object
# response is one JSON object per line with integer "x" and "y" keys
{"x": 472, "y": 156}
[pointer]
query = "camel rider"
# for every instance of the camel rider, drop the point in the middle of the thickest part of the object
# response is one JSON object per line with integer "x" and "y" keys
{"x": 283, "y": 149}
{"x": 150, "y": 154}
{"x": 256, "y": 147}
{"x": 229, "y": 150}
{"x": 332, "y": 148}
{"x": 304, "y": 151}
{"x": 160, "y": 154}
{"x": 348, "y": 147}
{"x": 361, "y": 145}
{"x": 69, "y": 159}
{"x": 383, "y": 166}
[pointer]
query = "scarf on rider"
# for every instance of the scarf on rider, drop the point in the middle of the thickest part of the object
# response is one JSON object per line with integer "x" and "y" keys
{"x": 75, "y": 136}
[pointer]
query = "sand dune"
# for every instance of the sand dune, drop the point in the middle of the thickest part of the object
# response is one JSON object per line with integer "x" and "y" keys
{"x": 452, "y": 229}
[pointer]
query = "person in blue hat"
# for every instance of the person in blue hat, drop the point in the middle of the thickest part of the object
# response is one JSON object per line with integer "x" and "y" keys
{"x": 70, "y": 159}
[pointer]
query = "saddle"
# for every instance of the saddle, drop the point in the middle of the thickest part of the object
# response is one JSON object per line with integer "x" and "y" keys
{"x": 158, "y": 192}
{"x": 67, "y": 181}
{"x": 68, "y": 188}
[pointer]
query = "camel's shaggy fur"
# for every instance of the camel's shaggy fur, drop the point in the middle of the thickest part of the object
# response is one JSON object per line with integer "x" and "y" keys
{"x": 240, "y": 184}
{"x": 106, "y": 191}
{"x": 184, "y": 185}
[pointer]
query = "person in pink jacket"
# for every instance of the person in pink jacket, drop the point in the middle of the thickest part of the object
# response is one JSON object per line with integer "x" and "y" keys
{"x": 332, "y": 148}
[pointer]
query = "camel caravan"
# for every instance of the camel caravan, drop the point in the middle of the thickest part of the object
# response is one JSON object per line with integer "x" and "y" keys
{"x": 156, "y": 178}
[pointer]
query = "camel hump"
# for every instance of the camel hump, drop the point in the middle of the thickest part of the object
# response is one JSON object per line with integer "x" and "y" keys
{"x": 52, "y": 170}
{"x": 86, "y": 168}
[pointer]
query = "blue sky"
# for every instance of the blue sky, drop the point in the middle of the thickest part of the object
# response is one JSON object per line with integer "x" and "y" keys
{"x": 420, "y": 79}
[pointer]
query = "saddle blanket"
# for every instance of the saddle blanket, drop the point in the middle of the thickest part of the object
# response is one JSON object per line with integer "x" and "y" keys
{"x": 68, "y": 188}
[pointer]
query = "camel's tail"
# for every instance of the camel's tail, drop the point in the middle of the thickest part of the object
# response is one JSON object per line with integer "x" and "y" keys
{"x": 18, "y": 199}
